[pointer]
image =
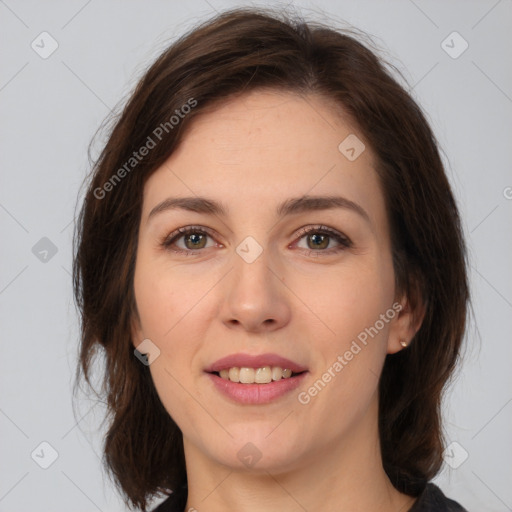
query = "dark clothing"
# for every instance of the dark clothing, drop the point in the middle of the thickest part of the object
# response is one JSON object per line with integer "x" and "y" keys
{"x": 431, "y": 499}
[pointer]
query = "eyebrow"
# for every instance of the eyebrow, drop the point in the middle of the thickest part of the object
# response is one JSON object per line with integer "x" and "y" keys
{"x": 289, "y": 207}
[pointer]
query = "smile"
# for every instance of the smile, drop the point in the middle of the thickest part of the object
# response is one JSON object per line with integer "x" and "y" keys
{"x": 263, "y": 375}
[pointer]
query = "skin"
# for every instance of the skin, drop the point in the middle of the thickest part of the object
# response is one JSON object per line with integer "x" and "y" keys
{"x": 252, "y": 153}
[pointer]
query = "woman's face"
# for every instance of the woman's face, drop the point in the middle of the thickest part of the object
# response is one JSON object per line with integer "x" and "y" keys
{"x": 250, "y": 279}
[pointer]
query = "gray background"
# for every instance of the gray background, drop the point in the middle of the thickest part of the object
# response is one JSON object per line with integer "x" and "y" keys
{"x": 49, "y": 111}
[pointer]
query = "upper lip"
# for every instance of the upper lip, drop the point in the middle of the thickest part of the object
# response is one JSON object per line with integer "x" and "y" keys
{"x": 257, "y": 361}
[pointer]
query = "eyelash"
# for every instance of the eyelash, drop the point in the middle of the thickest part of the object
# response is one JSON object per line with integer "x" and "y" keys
{"x": 322, "y": 230}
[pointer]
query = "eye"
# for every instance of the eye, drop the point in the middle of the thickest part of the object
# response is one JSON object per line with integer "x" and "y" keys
{"x": 194, "y": 238}
{"x": 318, "y": 239}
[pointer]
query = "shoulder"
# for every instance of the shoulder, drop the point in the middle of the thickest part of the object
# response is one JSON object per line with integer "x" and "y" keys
{"x": 432, "y": 499}
{"x": 175, "y": 502}
{"x": 169, "y": 505}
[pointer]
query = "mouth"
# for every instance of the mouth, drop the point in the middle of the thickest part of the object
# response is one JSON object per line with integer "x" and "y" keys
{"x": 262, "y": 375}
{"x": 259, "y": 379}
{"x": 259, "y": 369}
{"x": 251, "y": 392}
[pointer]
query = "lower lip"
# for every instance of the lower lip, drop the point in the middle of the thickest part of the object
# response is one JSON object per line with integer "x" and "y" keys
{"x": 256, "y": 393}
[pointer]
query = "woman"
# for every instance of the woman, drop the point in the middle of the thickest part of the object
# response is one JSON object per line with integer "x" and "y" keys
{"x": 270, "y": 256}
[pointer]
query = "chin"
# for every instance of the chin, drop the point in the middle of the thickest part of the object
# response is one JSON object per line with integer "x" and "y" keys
{"x": 256, "y": 452}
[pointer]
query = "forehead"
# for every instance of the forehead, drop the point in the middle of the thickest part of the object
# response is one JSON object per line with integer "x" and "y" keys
{"x": 266, "y": 146}
{"x": 275, "y": 125}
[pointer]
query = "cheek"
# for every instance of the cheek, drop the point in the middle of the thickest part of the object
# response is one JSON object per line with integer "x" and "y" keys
{"x": 168, "y": 303}
{"x": 351, "y": 337}
{"x": 175, "y": 308}
{"x": 345, "y": 301}
{"x": 166, "y": 295}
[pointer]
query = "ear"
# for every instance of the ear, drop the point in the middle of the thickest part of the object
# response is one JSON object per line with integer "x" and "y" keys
{"x": 406, "y": 324}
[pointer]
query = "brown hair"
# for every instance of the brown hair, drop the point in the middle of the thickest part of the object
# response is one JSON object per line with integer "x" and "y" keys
{"x": 236, "y": 52}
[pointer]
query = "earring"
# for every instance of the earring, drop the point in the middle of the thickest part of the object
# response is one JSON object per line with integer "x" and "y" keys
{"x": 403, "y": 343}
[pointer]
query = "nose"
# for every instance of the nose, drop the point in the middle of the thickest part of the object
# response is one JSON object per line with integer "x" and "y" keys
{"x": 255, "y": 296}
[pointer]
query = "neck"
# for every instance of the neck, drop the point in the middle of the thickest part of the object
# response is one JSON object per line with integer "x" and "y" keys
{"x": 346, "y": 477}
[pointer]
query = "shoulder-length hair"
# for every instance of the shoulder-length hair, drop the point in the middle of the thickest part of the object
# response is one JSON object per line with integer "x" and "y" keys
{"x": 236, "y": 52}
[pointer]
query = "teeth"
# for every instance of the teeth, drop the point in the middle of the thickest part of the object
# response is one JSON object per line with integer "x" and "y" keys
{"x": 262, "y": 375}
{"x": 233, "y": 374}
{"x": 277, "y": 373}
